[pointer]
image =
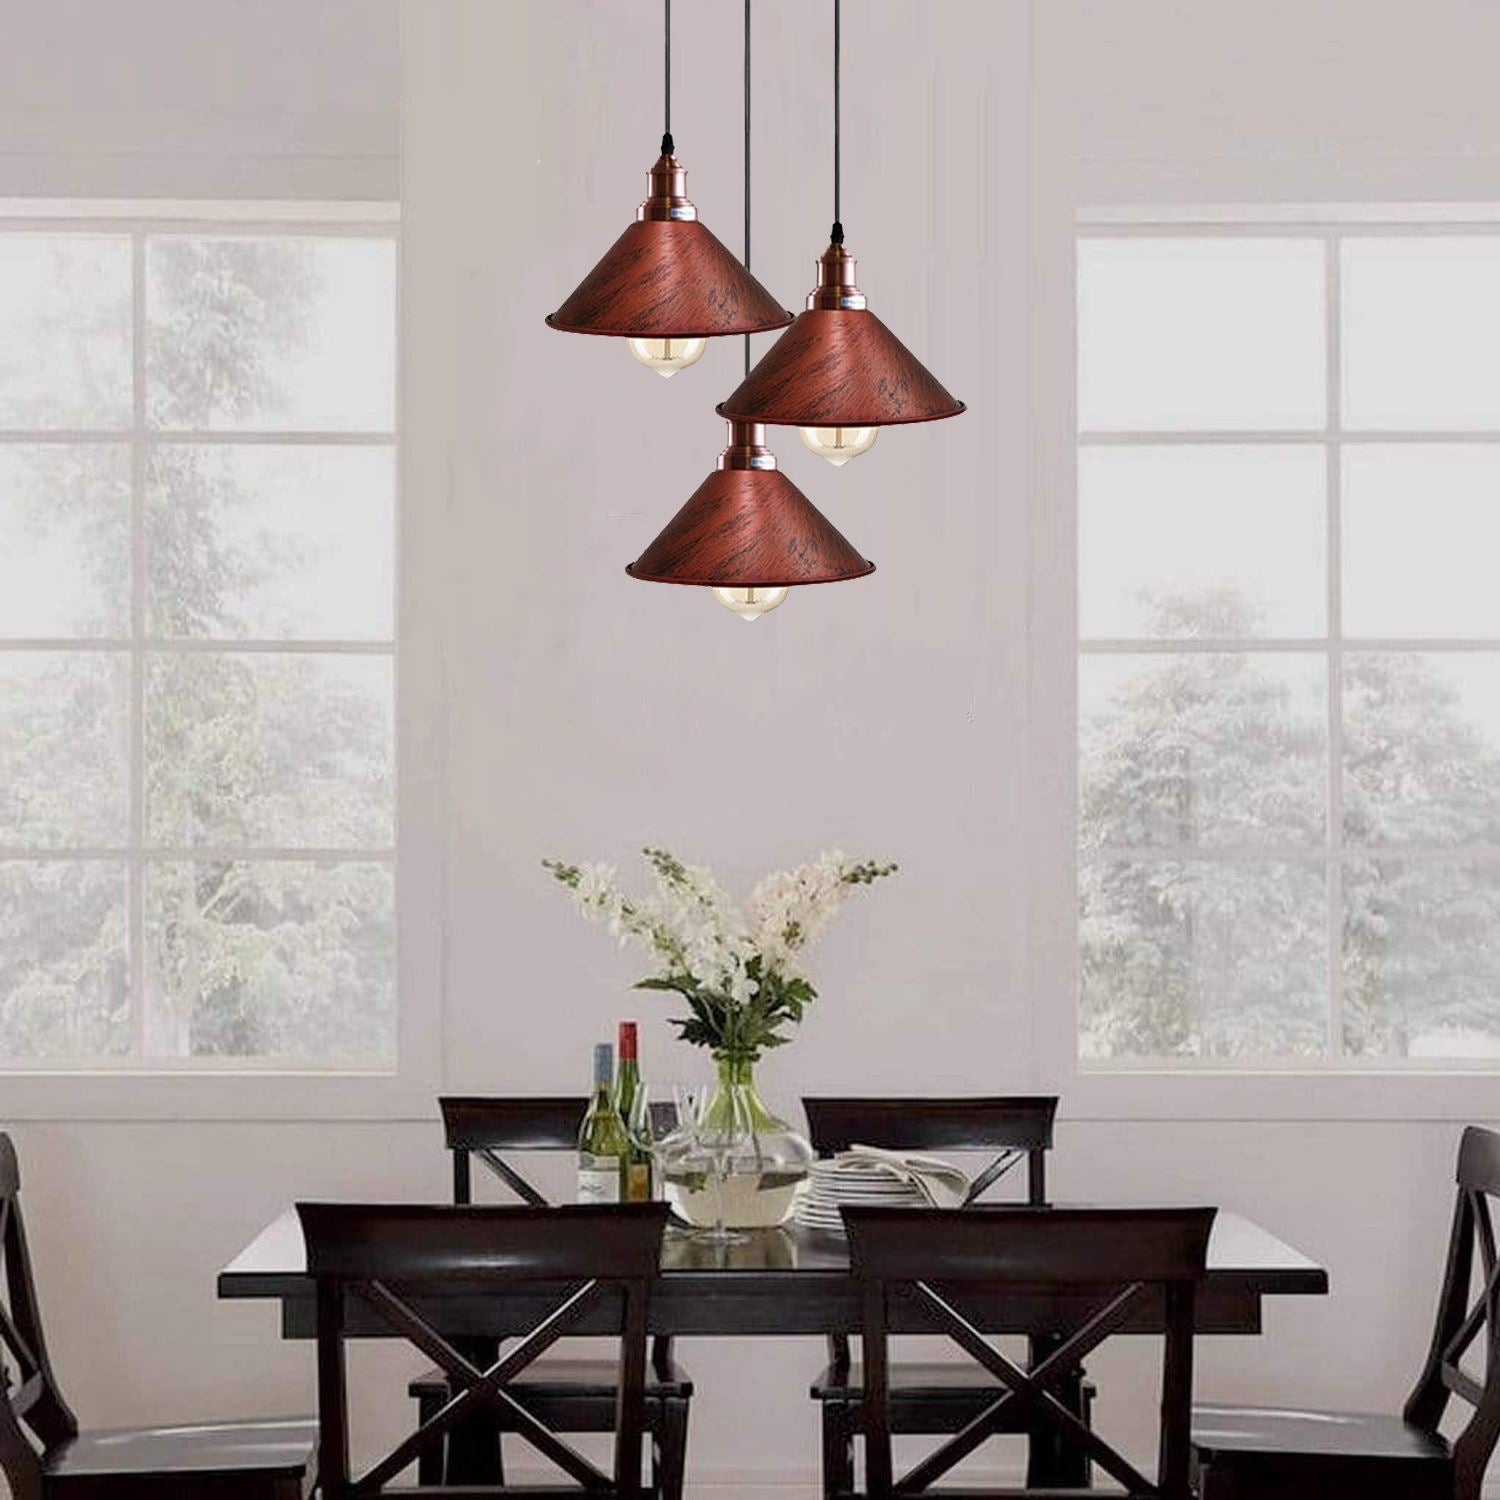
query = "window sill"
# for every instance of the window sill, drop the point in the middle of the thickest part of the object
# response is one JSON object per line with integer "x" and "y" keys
{"x": 230, "y": 1095}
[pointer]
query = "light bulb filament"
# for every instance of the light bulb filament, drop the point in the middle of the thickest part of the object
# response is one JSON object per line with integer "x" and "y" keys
{"x": 667, "y": 356}
{"x": 751, "y": 603}
{"x": 839, "y": 444}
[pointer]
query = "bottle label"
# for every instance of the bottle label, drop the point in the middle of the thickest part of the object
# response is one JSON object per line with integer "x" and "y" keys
{"x": 599, "y": 1179}
{"x": 638, "y": 1182}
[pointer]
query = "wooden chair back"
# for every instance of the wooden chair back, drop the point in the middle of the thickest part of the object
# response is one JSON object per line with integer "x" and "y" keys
{"x": 485, "y": 1127}
{"x": 1464, "y": 1315}
{"x": 1120, "y": 1266}
{"x": 30, "y": 1401}
{"x": 393, "y": 1259}
{"x": 1017, "y": 1129}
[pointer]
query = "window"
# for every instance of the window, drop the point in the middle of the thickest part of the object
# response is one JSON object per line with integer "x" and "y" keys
{"x": 1289, "y": 662}
{"x": 197, "y": 643}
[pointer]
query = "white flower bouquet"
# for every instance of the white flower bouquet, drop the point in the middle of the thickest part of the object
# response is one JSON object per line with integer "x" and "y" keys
{"x": 738, "y": 968}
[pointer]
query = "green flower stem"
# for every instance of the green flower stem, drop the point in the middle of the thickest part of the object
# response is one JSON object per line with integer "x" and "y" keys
{"x": 737, "y": 1080}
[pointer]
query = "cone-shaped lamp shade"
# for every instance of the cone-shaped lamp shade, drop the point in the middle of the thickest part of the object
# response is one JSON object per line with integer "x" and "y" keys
{"x": 668, "y": 277}
{"x": 748, "y": 526}
{"x": 838, "y": 365}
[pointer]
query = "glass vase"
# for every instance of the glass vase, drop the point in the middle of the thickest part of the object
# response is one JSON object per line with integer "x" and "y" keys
{"x": 739, "y": 1166}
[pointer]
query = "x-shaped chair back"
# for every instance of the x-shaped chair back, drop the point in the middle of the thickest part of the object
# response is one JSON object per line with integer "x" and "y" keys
{"x": 1464, "y": 1315}
{"x": 485, "y": 1127}
{"x": 1016, "y": 1128}
{"x": 1123, "y": 1268}
{"x": 398, "y": 1260}
{"x": 29, "y": 1396}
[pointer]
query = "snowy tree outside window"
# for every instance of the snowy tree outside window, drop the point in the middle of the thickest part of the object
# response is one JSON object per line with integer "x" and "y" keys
{"x": 1289, "y": 664}
{"x": 197, "y": 638}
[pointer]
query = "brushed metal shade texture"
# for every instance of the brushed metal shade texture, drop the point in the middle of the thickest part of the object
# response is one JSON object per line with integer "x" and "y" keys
{"x": 838, "y": 365}
{"x": 668, "y": 276}
{"x": 748, "y": 526}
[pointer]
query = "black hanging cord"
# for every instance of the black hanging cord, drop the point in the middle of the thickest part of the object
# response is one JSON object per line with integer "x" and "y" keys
{"x": 666, "y": 138}
{"x": 838, "y": 229}
{"x": 747, "y": 163}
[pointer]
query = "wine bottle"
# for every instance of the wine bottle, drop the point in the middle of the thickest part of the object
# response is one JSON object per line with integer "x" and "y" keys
{"x": 602, "y": 1142}
{"x": 635, "y": 1171}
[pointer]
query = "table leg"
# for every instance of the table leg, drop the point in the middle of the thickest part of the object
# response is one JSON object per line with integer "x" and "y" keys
{"x": 474, "y": 1444}
{"x": 1053, "y": 1462}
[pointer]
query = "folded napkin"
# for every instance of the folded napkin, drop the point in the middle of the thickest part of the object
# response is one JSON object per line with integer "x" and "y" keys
{"x": 941, "y": 1183}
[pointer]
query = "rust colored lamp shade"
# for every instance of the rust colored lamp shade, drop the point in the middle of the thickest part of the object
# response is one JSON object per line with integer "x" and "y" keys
{"x": 839, "y": 367}
{"x": 667, "y": 283}
{"x": 749, "y": 533}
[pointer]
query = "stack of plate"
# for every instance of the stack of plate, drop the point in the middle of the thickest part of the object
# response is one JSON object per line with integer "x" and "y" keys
{"x": 832, "y": 1183}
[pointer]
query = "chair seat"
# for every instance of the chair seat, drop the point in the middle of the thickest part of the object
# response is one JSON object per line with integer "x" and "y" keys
{"x": 914, "y": 1381}
{"x": 1251, "y": 1432}
{"x": 1332, "y": 1455}
{"x": 928, "y": 1399}
{"x": 209, "y": 1459}
{"x": 561, "y": 1379}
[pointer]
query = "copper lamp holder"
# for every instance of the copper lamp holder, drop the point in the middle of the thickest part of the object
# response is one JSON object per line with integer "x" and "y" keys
{"x": 666, "y": 195}
{"x": 835, "y": 288}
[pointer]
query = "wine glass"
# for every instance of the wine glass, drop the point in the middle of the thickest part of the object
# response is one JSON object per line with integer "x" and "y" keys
{"x": 656, "y": 1116}
{"x": 655, "y": 1119}
{"x": 673, "y": 1123}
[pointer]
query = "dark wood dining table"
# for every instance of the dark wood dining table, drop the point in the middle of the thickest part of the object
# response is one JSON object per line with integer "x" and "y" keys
{"x": 780, "y": 1282}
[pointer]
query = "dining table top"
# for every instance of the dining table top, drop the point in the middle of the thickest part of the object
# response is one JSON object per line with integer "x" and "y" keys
{"x": 787, "y": 1281}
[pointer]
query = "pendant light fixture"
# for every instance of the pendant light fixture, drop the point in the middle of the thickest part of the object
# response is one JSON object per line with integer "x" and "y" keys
{"x": 838, "y": 373}
{"x": 667, "y": 285}
{"x": 747, "y": 532}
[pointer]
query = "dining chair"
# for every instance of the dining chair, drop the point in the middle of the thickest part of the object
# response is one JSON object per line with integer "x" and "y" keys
{"x": 1249, "y": 1454}
{"x": 931, "y": 1396}
{"x": 1112, "y": 1269}
{"x": 390, "y": 1262}
{"x": 569, "y": 1394}
{"x": 44, "y": 1456}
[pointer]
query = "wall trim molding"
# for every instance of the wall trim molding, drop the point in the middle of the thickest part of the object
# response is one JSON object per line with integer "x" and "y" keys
{"x": 208, "y": 210}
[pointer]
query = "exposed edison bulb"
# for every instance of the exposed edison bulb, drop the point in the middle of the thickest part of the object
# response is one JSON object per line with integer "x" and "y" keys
{"x": 667, "y": 356}
{"x": 752, "y": 603}
{"x": 839, "y": 444}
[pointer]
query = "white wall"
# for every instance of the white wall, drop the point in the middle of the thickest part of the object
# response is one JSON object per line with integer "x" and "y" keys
{"x": 185, "y": 98}
{"x": 921, "y": 713}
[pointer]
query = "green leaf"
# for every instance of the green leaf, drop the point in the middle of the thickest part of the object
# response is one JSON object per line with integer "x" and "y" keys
{"x": 661, "y": 982}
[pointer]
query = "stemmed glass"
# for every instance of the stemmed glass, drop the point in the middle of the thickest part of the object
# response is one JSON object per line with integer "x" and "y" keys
{"x": 688, "y": 1152}
{"x": 654, "y": 1120}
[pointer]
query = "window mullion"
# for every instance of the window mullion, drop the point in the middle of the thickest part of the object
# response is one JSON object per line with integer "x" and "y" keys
{"x": 135, "y": 926}
{"x": 1334, "y": 503}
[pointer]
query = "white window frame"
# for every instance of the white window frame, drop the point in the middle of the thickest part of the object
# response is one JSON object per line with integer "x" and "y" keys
{"x": 228, "y": 1088}
{"x": 1327, "y": 1088}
